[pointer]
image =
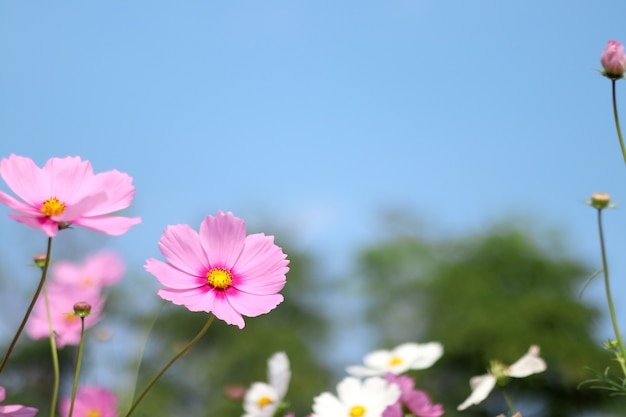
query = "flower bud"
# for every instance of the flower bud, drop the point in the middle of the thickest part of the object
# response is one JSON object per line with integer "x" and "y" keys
{"x": 82, "y": 309}
{"x": 600, "y": 200}
{"x": 40, "y": 260}
{"x": 613, "y": 60}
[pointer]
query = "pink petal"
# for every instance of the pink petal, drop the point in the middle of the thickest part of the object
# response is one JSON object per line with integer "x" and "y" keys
{"x": 19, "y": 206}
{"x": 17, "y": 411}
{"x": 172, "y": 277}
{"x": 262, "y": 266}
{"x": 81, "y": 207}
{"x": 3, "y": 394}
{"x": 222, "y": 239}
{"x": 223, "y": 310}
{"x": 111, "y": 225}
{"x": 187, "y": 297}
{"x": 252, "y": 305}
{"x": 49, "y": 227}
{"x": 119, "y": 189}
{"x": 25, "y": 179}
{"x": 180, "y": 245}
{"x": 67, "y": 177}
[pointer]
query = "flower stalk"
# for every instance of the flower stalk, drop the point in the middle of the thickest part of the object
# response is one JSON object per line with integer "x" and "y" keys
{"x": 616, "y": 117}
{"x": 44, "y": 272}
{"x": 78, "y": 362}
{"x": 621, "y": 353}
{"x": 170, "y": 363}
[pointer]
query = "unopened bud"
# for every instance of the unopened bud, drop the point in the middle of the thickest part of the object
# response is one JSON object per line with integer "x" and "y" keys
{"x": 82, "y": 309}
{"x": 40, "y": 260}
{"x": 600, "y": 200}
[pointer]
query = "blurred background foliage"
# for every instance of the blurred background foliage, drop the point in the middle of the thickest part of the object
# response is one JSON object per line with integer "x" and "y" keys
{"x": 484, "y": 296}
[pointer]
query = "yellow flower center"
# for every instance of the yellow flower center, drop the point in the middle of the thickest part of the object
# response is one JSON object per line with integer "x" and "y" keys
{"x": 52, "y": 207}
{"x": 263, "y": 401}
{"x": 219, "y": 278}
{"x": 94, "y": 413}
{"x": 395, "y": 361}
{"x": 357, "y": 411}
{"x": 70, "y": 317}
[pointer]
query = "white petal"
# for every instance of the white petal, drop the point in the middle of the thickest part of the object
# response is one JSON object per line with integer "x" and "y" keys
{"x": 279, "y": 373}
{"x": 528, "y": 364}
{"x": 481, "y": 387}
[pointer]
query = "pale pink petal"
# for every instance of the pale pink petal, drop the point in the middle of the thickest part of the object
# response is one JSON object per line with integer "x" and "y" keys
{"x": 119, "y": 189}
{"x": 252, "y": 305}
{"x": 25, "y": 178}
{"x": 67, "y": 178}
{"x": 80, "y": 208}
{"x": 222, "y": 239}
{"x": 180, "y": 245}
{"x": 17, "y": 411}
{"x": 262, "y": 266}
{"x": 172, "y": 277}
{"x": 220, "y": 307}
{"x": 187, "y": 297}
{"x": 111, "y": 225}
{"x": 19, "y": 206}
{"x": 3, "y": 394}
{"x": 108, "y": 266}
{"x": 49, "y": 227}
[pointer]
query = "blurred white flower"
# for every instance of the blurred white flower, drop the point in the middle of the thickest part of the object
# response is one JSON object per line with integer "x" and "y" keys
{"x": 356, "y": 398}
{"x": 262, "y": 399}
{"x": 399, "y": 360}
{"x": 482, "y": 385}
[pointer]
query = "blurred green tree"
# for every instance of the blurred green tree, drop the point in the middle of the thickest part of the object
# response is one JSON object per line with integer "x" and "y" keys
{"x": 487, "y": 296}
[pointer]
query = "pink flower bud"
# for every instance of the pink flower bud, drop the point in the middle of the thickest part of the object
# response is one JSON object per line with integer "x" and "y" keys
{"x": 613, "y": 60}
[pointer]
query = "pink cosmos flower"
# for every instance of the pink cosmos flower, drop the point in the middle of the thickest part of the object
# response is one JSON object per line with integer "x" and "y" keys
{"x": 220, "y": 270}
{"x": 14, "y": 410}
{"x": 613, "y": 60}
{"x": 91, "y": 401}
{"x": 66, "y": 326}
{"x": 416, "y": 401}
{"x": 101, "y": 269}
{"x": 65, "y": 192}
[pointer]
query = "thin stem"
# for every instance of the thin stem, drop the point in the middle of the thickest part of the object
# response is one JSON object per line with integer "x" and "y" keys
{"x": 44, "y": 272}
{"x": 170, "y": 363}
{"x": 55, "y": 356}
{"x": 609, "y": 298}
{"x": 619, "y": 131}
{"x": 78, "y": 361}
{"x": 509, "y": 402}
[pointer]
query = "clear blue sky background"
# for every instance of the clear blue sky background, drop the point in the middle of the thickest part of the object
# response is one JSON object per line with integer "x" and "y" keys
{"x": 317, "y": 114}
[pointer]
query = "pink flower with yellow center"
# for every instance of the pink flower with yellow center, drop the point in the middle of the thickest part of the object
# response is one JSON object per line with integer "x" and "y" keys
{"x": 66, "y": 325}
{"x": 66, "y": 192}
{"x": 220, "y": 269}
{"x": 91, "y": 401}
{"x": 101, "y": 269}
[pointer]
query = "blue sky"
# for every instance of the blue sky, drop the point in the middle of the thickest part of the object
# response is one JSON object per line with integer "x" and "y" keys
{"x": 315, "y": 115}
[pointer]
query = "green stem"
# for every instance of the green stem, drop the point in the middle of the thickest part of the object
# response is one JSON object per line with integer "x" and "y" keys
{"x": 55, "y": 356}
{"x": 609, "y": 298}
{"x": 78, "y": 361}
{"x": 619, "y": 131}
{"x": 170, "y": 363}
{"x": 44, "y": 272}
{"x": 509, "y": 402}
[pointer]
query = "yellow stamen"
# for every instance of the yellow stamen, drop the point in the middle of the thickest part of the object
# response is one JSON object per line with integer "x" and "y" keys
{"x": 263, "y": 401}
{"x": 219, "y": 278}
{"x": 94, "y": 413}
{"x": 395, "y": 361}
{"x": 357, "y": 411}
{"x": 70, "y": 317}
{"x": 52, "y": 207}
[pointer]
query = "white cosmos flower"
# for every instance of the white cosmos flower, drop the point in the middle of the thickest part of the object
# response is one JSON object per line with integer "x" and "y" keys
{"x": 399, "y": 360}
{"x": 262, "y": 399}
{"x": 482, "y": 385}
{"x": 356, "y": 398}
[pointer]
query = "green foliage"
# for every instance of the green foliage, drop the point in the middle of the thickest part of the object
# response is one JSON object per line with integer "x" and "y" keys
{"x": 485, "y": 297}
